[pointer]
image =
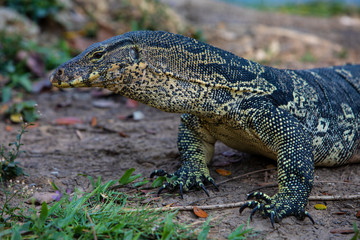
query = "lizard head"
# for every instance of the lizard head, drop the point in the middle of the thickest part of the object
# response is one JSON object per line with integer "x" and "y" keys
{"x": 100, "y": 65}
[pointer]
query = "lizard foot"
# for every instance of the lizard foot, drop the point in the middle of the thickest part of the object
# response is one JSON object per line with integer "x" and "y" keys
{"x": 185, "y": 178}
{"x": 277, "y": 207}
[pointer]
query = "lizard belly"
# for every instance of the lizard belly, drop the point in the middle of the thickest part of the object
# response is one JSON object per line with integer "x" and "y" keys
{"x": 242, "y": 140}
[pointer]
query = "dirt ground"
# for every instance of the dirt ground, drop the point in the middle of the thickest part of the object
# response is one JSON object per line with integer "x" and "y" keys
{"x": 59, "y": 153}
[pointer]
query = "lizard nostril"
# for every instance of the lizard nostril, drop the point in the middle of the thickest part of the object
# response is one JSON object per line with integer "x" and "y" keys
{"x": 60, "y": 72}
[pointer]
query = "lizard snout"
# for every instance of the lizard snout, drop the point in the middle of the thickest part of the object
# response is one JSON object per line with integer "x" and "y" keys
{"x": 56, "y": 76}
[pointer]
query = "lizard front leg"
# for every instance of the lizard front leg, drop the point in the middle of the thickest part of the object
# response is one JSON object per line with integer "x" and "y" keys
{"x": 284, "y": 135}
{"x": 196, "y": 147}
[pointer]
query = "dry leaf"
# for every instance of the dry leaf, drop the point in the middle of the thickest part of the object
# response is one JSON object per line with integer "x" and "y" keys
{"x": 68, "y": 121}
{"x": 339, "y": 213}
{"x": 169, "y": 205}
{"x": 4, "y": 108}
{"x": 131, "y": 103}
{"x": 16, "y": 117}
{"x": 223, "y": 172}
{"x": 8, "y": 128}
{"x": 122, "y": 134}
{"x": 200, "y": 213}
{"x": 320, "y": 207}
{"x": 357, "y": 214}
{"x": 104, "y": 195}
{"x": 93, "y": 121}
{"x": 342, "y": 231}
{"x": 33, "y": 125}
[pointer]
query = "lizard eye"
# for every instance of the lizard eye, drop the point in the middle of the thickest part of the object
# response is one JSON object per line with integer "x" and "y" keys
{"x": 98, "y": 55}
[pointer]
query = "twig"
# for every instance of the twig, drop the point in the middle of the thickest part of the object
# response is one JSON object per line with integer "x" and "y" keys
{"x": 334, "y": 198}
{"x": 337, "y": 182}
{"x": 239, "y": 204}
{"x": 92, "y": 225}
{"x": 245, "y": 175}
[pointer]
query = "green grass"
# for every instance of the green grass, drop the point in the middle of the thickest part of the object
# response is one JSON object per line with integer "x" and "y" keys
{"x": 9, "y": 168}
{"x": 103, "y": 212}
{"x": 315, "y": 8}
{"x": 15, "y": 73}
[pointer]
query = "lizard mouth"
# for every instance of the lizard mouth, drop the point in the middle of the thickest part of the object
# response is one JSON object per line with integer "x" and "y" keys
{"x": 78, "y": 82}
{"x": 58, "y": 79}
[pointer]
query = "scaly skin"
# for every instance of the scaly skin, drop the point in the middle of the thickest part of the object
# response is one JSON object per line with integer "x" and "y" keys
{"x": 300, "y": 118}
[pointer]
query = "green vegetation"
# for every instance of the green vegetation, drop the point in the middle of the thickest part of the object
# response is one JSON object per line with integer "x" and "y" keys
{"x": 34, "y": 9}
{"x": 23, "y": 112}
{"x": 102, "y": 213}
{"x": 357, "y": 232}
{"x": 240, "y": 233}
{"x": 14, "y": 70}
{"x": 315, "y": 8}
{"x": 320, "y": 9}
{"x": 308, "y": 57}
{"x": 8, "y": 167}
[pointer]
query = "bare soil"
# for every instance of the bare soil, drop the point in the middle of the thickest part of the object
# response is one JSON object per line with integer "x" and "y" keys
{"x": 59, "y": 153}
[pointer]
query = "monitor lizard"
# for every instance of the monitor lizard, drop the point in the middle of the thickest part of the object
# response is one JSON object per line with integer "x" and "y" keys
{"x": 301, "y": 118}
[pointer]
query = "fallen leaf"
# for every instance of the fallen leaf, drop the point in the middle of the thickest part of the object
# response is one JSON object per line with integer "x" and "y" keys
{"x": 357, "y": 214}
{"x": 93, "y": 121}
{"x": 339, "y": 213}
{"x": 342, "y": 231}
{"x": 33, "y": 125}
{"x": 326, "y": 194}
{"x": 223, "y": 172}
{"x": 131, "y": 103}
{"x": 122, "y": 134}
{"x": 16, "y": 117}
{"x": 4, "y": 108}
{"x": 320, "y": 207}
{"x": 104, "y": 195}
{"x": 169, "y": 205}
{"x": 200, "y": 213}
{"x": 8, "y": 128}
{"x": 68, "y": 121}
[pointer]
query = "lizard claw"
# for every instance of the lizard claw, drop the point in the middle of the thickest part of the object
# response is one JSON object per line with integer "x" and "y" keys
{"x": 213, "y": 183}
{"x": 272, "y": 218}
{"x": 251, "y": 205}
{"x": 203, "y": 188}
{"x": 185, "y": 178}
{"x": 253, "y": 212}
{"x": 278, "y": 206}
{"x": 309, "y": 216}
{"x": 162, "y": 188}
{"x": 181, "y": 191}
